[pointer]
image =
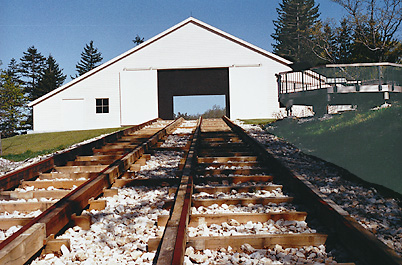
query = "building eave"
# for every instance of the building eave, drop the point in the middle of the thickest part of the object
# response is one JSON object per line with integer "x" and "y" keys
{"x": 152, "y": 40}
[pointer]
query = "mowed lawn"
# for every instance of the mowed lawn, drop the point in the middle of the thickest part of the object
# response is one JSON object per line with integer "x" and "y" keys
{"x": 25, "y": 146}
{"x": 368, "y": 144}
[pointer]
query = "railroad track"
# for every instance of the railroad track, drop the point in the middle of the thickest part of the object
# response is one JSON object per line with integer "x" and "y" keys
{"x": 218, "y": 202}
{"x": 49, "y": 202}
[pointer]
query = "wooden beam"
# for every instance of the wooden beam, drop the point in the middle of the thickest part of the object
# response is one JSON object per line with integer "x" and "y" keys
{"x": 56, "y": 194}
{"x": 222, "y": 159}
{"x": 6, "y": 223}
{"x": 242, "y": 218}
{"x": 21, "y": 249}
{"x": 230, "y": 164}
{"x": 227, "y": 189}
{"x": 24, "y": 206}
{"x": 257, "y": 241}
{"x": 242, "y": 201}
{"x": 78, "y": 169}
{"x": 58, "y": 184}
{"x": 58, "y": 175}
{"x": 242, "y": 171}
{"x": 234, "y": 179}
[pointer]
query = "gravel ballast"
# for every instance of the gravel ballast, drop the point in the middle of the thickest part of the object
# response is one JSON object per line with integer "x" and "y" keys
{"x": 377, "y": 213}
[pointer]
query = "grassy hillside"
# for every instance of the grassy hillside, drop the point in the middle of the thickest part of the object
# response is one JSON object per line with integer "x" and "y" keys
{"x": 21, "y": 147}
{"x": 368, "y": 144}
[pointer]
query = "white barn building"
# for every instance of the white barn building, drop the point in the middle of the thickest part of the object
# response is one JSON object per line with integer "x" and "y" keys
{"x": 191, "y": 58}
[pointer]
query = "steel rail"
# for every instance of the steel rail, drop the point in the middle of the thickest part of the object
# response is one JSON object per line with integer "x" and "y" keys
{"x": 353, "y": 235}
{"x": 173, "y": 243}
{"x": 12, "y": 179}
{"x": 59, "y": 214}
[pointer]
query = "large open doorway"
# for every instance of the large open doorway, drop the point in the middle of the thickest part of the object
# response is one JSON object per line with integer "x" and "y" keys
{"x": 190, "y": 82}
{"x": 191, "y": 107}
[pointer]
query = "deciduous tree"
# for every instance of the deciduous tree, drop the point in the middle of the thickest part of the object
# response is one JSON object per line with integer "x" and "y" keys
{"x": 375, "y": 25}
{"x": 12, "y": 101}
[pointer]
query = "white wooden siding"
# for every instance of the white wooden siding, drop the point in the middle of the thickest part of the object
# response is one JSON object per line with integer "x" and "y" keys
{"x": 253, "y": 91}
{"x": 139, "y": 96}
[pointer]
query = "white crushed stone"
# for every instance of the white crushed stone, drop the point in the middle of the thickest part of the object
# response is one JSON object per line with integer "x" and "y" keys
{"x": 249, "y": 256}
{"x": 382, "y": 216}
{"x": 119, "y": 234}
{"x": 163, "y": 164}
{"x": 233, "y": 228}
{"x": 239, "y": 195}
{"x": 250, "y": 208}
{"x": 6, "y": 233}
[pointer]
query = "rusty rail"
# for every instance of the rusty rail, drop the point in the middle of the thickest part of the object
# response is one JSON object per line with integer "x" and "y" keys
{"x": 14, "y": 178}
{"x": 59, "y": 215}
{"x": 172, "y": 246}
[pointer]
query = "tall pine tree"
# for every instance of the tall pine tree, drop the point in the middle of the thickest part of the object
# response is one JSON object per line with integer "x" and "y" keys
{"x": 90, "y": 58}
{"x": 51, "y": 78}
{"x": 31, "y": 69}
{"x": 13, "y": 71}
{"x": 293, "y": 30}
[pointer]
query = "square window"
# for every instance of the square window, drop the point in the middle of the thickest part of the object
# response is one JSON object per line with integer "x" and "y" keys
{"x": 102, "y": 105}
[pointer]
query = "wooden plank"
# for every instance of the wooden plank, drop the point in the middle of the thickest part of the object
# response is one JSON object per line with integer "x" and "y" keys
{"x": 89, "y": 163}
{"x": 78, "y": 169}
{"x": 257, "y": 241}
{"x": 242, "y": 201}
{"x": 230, "y": 164}
{"x": 222, "y": 159}
{"x": 234, "y": 179}
{"x": 6, "y": 223}
{"x": 97, "y": 158}
{"x": 58, "y": 184}
{"x": 24, "y": 206}
{"x": 58, "y": 175}
{"x": 21, "y": 249}
{"x": 242, "y": 218}
{"x": 56, "y": 194}
{"x": 243, "y": 171}
{"x": 227, "y": 189}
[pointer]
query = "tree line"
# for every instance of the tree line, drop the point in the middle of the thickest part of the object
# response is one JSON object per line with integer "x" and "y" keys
{"x": 368, "y": 33}
{"x": 33, "y": 76}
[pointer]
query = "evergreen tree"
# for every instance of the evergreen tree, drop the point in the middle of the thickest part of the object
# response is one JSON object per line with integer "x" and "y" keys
{"x": 293, "y": 30}
{"x": 90, "y": 58}
{"x": 51, "y": 78}
{"x": 13, "y": 72}
{"x": 345, "y": 42}
{"x": 31, "y": 69}
{"x": 138, "y": 40}
{"x": 12, "y": 101}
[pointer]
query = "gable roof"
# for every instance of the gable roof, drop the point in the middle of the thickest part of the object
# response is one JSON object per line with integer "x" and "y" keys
{"x": 156, "y": 38}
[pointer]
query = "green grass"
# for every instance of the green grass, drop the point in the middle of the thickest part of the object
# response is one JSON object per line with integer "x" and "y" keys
{"x": 368, "y": 144}
{"x": 25, "y": 146}
{"x": 258, "y": 121}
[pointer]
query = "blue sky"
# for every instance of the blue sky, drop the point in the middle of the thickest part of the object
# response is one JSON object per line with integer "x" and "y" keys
{"x": 62, "y": 28}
